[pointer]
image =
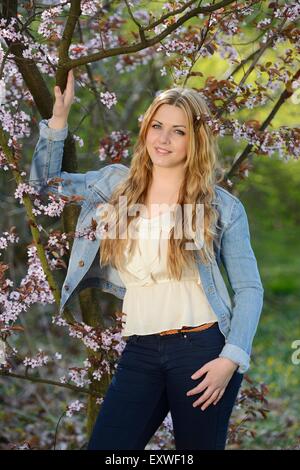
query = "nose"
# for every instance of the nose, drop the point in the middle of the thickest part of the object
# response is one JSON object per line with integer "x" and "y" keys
{"x": 164, "y": 138}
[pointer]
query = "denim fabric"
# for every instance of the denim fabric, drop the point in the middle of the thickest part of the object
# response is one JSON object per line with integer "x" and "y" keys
{"x": 152, "y": 378}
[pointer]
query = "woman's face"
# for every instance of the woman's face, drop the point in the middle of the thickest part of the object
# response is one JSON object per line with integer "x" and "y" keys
{"x": 168, "y": 131}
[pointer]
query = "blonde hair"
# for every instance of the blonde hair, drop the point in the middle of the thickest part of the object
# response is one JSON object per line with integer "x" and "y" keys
{"x": 201, "y": 167}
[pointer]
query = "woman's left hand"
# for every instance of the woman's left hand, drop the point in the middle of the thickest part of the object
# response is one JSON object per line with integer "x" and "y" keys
{"x": 218, "y": 374}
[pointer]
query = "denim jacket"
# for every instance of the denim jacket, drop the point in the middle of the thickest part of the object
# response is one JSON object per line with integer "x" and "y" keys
{"x": 238, "y": 317}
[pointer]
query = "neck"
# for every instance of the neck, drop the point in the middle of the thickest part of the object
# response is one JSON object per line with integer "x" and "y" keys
{"x": 167, "y": 178}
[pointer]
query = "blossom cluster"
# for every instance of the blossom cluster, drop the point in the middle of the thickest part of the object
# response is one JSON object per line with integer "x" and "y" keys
{"x": 109, "y": 99}
{"x": 39, "y": 360}
{"x": 115, "y": 146}
{"x": 34, "y": 288}
{"x": 73, "y": 407}
{"x": 8, "y": 237}
{"x": 53, "y": 209}
{"x": 90, "y": 7}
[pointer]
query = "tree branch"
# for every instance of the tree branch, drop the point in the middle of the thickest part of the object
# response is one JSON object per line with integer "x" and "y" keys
{"x": 283, "y": 97}
{"x": 47, "y": 382}
{"x": 256, "y": 56}
{"x": 148, "y": 42}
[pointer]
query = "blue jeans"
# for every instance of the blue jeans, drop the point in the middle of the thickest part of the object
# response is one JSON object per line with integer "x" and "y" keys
{"x": 152, "y": 378}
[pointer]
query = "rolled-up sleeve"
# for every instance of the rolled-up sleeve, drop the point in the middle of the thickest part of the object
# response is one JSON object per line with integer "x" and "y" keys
{"x": 241, "y": 267}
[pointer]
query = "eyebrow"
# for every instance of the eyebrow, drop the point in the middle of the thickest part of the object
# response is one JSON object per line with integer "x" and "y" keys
{"x": 176, "y": 125}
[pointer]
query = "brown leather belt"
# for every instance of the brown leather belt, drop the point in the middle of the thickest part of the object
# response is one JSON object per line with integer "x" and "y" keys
{"x": 187, "y": 328}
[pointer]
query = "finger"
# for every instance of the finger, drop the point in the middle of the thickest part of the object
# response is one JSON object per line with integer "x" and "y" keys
{"x": 209, "y": 402}
{"x": 204, "y": 397}
{"x": 200, "y": 372}
{"x": 69, "y": 90}
{"x": 57, "y": 93}
{"x": 70, "y": 80}
{"x": 219, "y": 397}
{"x": 200, "y": 388}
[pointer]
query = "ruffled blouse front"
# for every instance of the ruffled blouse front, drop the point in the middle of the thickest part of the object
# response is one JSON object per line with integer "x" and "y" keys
{"x": 153, "y": 301}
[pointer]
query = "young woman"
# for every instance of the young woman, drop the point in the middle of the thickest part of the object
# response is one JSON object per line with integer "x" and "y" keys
{"x": 188, "y": 345}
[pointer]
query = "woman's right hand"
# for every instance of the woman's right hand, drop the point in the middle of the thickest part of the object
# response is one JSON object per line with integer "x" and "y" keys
{"x": 62, "y": 104}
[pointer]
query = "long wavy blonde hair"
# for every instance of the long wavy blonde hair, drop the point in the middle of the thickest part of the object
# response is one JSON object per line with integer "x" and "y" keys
{"x": 201, "y": 169}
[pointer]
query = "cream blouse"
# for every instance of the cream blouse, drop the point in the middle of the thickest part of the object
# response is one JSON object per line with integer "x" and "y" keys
{"x": 153, "y": 302}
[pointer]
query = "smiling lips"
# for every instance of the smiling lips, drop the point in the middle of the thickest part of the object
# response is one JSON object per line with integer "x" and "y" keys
{"x": 161, "y": 151}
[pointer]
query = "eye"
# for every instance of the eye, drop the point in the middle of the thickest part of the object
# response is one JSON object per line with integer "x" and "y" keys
{"x": 177, "y": 130}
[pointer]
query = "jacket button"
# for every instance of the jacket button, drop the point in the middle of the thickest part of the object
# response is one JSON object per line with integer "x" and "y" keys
{"x": 67, "y": 287}
{"x": 81, "y": 263}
